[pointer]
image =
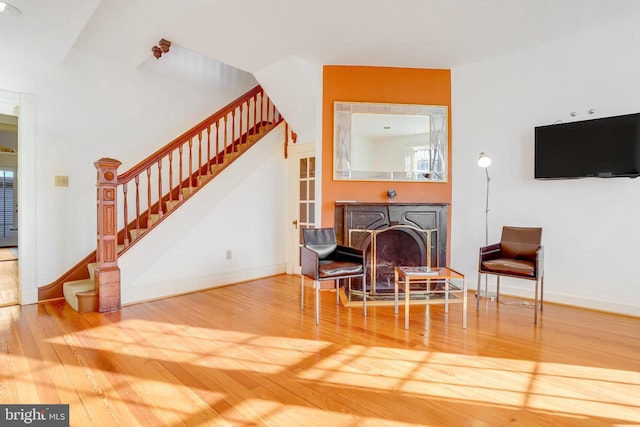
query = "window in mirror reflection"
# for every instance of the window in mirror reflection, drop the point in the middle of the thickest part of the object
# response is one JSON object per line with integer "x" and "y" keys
{"x": 390, "y": 142}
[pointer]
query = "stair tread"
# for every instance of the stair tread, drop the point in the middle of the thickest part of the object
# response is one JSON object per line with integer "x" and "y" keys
{"x": 134, "y": 233}
{"x": 77, "y": 284}
{"x": 74, "y": 287}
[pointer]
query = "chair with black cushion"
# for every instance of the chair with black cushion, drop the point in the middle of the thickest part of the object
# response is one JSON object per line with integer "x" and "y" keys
{"x": 520, "y": 255}
{"x": 323, "y": 259}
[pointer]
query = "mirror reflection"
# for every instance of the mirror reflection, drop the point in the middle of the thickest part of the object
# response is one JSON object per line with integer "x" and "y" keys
{"x": 390, "y": 142}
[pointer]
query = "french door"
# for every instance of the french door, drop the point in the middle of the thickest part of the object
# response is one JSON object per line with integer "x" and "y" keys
{"x": 302, "y": 199}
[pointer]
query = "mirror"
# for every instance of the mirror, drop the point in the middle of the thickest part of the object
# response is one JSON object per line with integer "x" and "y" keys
{"x": 390, "y": 142}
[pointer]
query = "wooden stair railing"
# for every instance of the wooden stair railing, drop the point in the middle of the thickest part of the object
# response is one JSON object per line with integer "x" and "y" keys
{"x": 134, "y": 202}
{"x": 172, "y": 174}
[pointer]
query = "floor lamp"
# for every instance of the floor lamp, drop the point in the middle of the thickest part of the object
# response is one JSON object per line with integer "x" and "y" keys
{"x": 484, "y": 161}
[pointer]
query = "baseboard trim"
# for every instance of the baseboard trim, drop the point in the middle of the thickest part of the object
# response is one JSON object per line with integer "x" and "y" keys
{"x": 574, "y": 301}
{"x": 138, "y": 294}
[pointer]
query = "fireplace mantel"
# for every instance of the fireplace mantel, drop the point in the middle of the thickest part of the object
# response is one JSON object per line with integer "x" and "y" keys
{"x": 378, "y": 216}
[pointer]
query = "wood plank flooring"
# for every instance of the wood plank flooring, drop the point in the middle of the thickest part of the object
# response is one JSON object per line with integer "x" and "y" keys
{"x": 8, "y": 278}
{"x": 246, "y": 355}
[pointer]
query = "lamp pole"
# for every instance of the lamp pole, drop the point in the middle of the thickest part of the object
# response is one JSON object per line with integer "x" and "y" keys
{"x": 484, "y": 161}
{"x": 486, "y": 211}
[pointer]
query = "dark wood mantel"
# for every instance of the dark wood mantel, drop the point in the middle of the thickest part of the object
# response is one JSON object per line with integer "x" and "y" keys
{"x": 379, "y": 215}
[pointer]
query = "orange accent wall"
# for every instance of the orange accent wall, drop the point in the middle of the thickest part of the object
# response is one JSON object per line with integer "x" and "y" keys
{"x": 380, "y": 84}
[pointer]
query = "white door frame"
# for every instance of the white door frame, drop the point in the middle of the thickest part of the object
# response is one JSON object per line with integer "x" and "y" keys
{"x": 23, "y": 106}
{"x": 296, "y": 152}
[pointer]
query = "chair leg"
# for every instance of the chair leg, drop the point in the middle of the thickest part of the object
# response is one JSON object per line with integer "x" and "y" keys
{"x": 535, "y": 306}
{"x": 316, "y": 285}
{"x": 337, "y": 291}
{"x": 364, "y": 296}
{"x": 541, "y": 292}
{"x": 301, "y": 292}
{"x": 498, "y": 289}
{"x": 477, "y": 291}
{"x": 486, "y": 286}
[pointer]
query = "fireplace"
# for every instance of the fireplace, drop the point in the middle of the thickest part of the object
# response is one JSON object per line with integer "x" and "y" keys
{"x": 396, "y": 246}
{"x": 392, "y": 234}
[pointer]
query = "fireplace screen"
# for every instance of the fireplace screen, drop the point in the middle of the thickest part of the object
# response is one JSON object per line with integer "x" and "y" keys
{"x": 398, "y": 245}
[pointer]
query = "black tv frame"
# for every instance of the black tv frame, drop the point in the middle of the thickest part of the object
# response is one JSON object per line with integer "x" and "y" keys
{"x": 607, "y": 147}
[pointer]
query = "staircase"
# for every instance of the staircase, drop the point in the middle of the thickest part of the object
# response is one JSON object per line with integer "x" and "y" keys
{"x": 142, "y": 197}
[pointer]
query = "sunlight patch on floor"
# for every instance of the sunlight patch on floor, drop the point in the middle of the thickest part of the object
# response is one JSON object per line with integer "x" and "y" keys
{"x": 567, "y": 390}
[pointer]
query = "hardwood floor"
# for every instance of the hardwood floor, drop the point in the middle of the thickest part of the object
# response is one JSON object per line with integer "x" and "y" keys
{"x": 8, "y": 279}
{"x": 247, "y": 355}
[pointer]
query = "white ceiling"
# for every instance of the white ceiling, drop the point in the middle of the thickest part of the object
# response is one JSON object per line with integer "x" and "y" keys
{"x": 252, "y": 34}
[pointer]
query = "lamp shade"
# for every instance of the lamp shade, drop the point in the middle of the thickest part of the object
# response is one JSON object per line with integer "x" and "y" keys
{"x": 484, "y": 160}
{"x": 9, "y": 9}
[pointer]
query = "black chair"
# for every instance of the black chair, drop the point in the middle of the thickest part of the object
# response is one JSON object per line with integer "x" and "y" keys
{"x": 520, "y": 255}
{"x": 323, "y": 259}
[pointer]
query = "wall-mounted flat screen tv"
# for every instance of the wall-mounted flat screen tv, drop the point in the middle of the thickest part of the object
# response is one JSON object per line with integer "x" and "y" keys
{"x": 606, "y": 147}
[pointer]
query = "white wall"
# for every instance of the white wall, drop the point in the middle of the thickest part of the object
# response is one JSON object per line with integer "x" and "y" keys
{"x": 591, "y": 230}
{"x": 87, "y": 108}
{"x": 295, "y": 85}
{"x": 239, "y": 212}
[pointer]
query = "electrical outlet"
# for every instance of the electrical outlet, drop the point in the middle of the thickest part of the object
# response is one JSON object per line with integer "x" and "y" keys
{"x": 229, "y": 254}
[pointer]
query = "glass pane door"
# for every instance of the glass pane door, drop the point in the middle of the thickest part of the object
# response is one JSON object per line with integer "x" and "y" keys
{"x": 301, "y": 200}
{"x": 307, "y": 197}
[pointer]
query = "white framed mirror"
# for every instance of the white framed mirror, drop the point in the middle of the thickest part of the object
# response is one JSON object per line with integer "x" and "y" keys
{"x": 390, "y": 142}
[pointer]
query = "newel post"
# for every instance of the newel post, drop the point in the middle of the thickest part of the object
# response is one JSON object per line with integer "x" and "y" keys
{"x": 107, "y": 274}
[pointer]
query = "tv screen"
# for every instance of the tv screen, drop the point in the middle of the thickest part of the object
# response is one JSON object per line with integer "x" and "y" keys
{"x": 606, "y": 147}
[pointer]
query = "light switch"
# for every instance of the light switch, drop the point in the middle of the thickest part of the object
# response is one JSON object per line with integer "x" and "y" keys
{"x": 61, "y": 181}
